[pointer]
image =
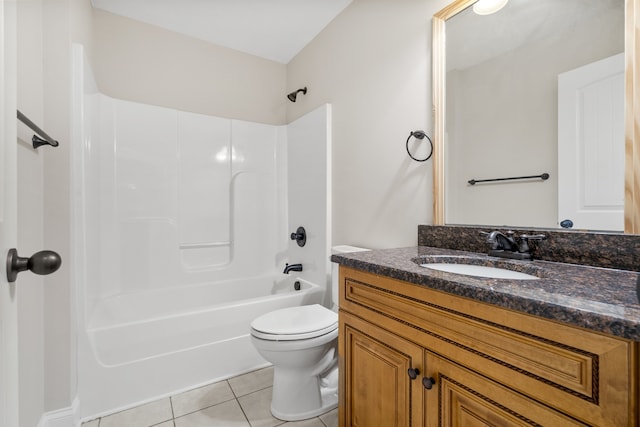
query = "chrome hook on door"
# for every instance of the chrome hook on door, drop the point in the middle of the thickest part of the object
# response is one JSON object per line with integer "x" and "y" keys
{"x": 43, "y": 262}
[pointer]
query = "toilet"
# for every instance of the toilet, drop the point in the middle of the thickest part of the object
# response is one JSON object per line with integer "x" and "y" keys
{"x": 302, "y": 345}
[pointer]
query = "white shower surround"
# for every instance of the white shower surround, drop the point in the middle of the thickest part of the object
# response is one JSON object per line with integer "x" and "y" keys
{"x": 181, "y": 231}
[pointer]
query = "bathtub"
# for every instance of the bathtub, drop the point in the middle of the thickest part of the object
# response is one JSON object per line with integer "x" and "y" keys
{"x": 178, "y": 239}
{"x": 150, "y": 344}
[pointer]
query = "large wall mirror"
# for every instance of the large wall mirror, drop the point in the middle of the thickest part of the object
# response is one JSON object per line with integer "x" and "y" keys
{"x": 544, "y": 89}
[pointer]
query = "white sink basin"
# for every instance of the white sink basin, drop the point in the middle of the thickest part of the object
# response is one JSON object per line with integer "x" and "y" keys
{"x": 480, "y": 271}
{"x": 480, "y": 266}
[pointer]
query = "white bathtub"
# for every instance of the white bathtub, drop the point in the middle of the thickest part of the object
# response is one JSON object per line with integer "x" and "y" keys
{"x": 181, "y": 225}
{"x": 151, "y": 344}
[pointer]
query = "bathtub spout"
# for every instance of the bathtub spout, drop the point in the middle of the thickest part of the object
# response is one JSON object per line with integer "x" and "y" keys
{"x": 292, "y": 267}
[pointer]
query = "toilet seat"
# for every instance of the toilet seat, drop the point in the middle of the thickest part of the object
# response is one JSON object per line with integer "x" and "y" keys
{"x": 295, "y": 323}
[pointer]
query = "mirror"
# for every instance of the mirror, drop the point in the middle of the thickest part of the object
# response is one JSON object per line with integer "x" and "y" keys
{"x": 505, "y": 106}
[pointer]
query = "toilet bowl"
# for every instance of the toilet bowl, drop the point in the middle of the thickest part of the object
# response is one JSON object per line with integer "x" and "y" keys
{"x": 302, "y": 345}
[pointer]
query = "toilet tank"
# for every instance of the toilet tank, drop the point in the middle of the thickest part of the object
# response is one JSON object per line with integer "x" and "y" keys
{"x": 341, "y": 249}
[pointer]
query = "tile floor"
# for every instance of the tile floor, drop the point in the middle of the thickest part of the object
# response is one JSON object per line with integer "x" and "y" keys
{"x": 241, "y": 401}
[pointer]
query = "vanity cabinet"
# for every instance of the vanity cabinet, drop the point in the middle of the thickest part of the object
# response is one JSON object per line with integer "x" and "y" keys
{"x": 412, "y": 356}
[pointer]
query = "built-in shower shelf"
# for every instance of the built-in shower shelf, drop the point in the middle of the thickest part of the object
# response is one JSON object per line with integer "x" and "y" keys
{"x": 203, "y": 245}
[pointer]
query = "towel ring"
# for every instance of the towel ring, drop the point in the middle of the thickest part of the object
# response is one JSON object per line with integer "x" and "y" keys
{"x": 419, "y": 134}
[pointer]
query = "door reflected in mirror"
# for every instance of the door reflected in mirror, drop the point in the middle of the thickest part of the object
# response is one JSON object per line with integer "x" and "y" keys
{"x": 507, "y": 116}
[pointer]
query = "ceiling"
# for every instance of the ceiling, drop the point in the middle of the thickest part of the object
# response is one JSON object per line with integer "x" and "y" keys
{"x": 271, "y": 29}
{"x": 474, "y": 38}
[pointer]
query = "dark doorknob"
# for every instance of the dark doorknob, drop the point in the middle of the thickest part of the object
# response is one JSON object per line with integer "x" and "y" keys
{"x": 43, "y": 262}
{"x": 566, "y": 223}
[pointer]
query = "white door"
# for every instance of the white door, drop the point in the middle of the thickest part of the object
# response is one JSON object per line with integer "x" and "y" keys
{"x": 591, "y": 145}
{"x": 8, "y": 213}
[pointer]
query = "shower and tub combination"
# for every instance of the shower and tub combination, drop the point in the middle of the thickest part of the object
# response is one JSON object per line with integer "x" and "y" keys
{"x": 182, "y": 226}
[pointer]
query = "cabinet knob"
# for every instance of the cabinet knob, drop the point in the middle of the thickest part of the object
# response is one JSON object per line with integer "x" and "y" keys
{"x": 428, "y": 382}
{"x": 413, "y": 373}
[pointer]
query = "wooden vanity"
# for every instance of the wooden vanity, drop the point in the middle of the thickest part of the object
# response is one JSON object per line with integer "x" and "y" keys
{"x": 412, "y": 355}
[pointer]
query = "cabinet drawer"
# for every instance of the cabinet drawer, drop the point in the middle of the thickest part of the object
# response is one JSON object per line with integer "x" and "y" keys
{"x": 554, "y": 363}
{"x": 567, "y": 367}
{"x": 464, "y": 398}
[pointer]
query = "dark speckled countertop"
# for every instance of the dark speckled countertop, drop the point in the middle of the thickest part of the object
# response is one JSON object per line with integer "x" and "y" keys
{"x": 599, "y": 299}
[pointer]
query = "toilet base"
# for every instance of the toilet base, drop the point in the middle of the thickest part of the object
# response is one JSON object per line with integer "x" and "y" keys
{"x": 306, "y": 415}
{"x": 295, "y": 398}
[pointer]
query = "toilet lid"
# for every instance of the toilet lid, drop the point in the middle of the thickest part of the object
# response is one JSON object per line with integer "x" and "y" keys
{"x": 294, "y": 323}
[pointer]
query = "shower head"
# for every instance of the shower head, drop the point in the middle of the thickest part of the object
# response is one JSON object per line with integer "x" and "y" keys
{"x": 293, "y": 95}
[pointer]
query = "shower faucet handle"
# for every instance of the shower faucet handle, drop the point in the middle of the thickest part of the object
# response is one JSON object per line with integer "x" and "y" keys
{"x": 300, "y": 236}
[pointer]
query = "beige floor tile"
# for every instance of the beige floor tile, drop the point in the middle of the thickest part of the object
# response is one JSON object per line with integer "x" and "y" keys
{"x": 227, "y": 414}
{"x": 252, "y": 381}
{"x": 214, "y": 405}
{"x": 313, "y": 422}
{"x": 140, "y": 416}
{"x": 257, "y": 408}
{"x": 200, "y": 398}
{"x": 330, "y": 419}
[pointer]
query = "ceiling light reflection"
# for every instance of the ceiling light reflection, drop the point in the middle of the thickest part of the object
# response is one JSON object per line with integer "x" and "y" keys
{"x": 487, "y": 7}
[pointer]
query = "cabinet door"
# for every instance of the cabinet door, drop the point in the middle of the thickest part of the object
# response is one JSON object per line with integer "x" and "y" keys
{"x": 466, "y": 399}
{"x": 377, "y": 388}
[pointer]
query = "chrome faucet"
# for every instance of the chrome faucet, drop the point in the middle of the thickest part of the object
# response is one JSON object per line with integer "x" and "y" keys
{"x": 511, "y": 246}
{"x": 293, "y": 267}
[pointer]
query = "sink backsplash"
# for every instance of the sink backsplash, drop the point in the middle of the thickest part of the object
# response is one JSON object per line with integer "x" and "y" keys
{"x": 598, "y": 249}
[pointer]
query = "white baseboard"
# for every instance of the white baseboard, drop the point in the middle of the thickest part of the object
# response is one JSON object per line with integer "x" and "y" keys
{"x": 65, "y": 417}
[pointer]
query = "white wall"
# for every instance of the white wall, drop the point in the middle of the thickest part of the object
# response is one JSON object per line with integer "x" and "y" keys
{"x": 373, "y": 64}
{"x": 140, "y": 62}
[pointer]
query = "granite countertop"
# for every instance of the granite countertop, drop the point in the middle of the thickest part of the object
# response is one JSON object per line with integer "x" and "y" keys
{"x": 599, "y": 299}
